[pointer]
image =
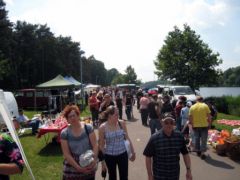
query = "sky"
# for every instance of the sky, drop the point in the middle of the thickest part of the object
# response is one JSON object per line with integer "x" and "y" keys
{"x": 131, "y": 32}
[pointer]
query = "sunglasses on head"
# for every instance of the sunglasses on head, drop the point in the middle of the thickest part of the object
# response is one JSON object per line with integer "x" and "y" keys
{"x": 168, "y": 122}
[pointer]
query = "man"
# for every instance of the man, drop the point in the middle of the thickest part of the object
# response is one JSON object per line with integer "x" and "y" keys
{"x": 154, "y": 114}
{"x": 94, "y": 106}
{"x": 162, "y": 153}
{"x": 11, "y": 161}
{"x": 25, "y": 122}
{"x": 200, "y": 119}
{"x": 139, "y": 96}
{"x": 167, "y": 106}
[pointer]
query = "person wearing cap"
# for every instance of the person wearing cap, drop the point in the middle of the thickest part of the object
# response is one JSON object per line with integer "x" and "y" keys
{"x": 163, "y": 150}
{"x": 200, "y": 119}
{"x": 184, "y": 115}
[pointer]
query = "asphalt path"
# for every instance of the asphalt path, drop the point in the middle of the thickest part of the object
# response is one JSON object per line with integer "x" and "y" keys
{"x": 214, "y": 167}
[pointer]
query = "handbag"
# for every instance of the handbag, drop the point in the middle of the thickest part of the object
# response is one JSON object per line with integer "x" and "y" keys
{"x": 128, "y": 148}
{"x": 127, "y": 144}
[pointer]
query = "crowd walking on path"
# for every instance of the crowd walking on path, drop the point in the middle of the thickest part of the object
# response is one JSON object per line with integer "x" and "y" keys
{"x": 174, "y": 130}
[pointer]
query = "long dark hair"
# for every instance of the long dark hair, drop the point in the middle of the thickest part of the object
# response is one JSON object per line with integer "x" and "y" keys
{"x": 103, "y": 116}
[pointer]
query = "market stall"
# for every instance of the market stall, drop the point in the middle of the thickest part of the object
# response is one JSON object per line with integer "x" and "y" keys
{"x": 225, "y": 142}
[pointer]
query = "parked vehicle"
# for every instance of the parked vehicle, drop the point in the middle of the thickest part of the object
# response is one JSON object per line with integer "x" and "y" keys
{"x": 31, "y": 98}
{"x": 176, "y": 91}
{"x": 11, "y": 103}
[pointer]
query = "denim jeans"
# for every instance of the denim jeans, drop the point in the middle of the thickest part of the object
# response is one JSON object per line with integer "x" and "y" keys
{"x": 200, "y": 136}
{"x": 144, "y": 116}
{"x": 178, "y": 123}
{"x": 128, "y": 111}
{"x": 154, "y": 125}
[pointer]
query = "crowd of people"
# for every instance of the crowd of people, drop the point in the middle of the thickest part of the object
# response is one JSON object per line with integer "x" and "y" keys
{"x": 173, "y": 131}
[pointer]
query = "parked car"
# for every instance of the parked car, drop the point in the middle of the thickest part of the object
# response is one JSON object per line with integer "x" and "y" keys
{"x": 176, "y": 91}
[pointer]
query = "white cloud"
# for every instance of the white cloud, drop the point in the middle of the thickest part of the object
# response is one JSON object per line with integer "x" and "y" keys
{"x": 124, "y": 32}
{"x": 10, "y": 2}
{"x": 237, "y": 49}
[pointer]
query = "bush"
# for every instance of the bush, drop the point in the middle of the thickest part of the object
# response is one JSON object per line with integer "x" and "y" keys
{"x": 226, "y": 104}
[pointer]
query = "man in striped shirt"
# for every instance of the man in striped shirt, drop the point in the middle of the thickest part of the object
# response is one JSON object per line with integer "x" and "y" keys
{"x": 162, "y": 153}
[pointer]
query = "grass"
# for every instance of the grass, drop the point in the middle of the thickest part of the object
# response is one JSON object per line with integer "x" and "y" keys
{"x": 45, "y": 159}
{"x": 225, "y": 116}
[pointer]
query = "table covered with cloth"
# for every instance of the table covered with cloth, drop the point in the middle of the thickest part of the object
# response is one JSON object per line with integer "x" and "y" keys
{"x": 56, "y": 127}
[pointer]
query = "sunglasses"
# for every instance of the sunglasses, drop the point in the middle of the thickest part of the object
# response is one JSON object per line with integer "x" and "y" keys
{"x": 168, "y": 122}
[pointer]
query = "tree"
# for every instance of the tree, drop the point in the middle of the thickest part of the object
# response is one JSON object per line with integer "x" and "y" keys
{"x": 119, "y": 79}
{"x": 231, "y": 77}
{"x": 111, "y": 74}
{"x": 131, "y": 76}
{"x": 5, "y": 45}
{"x": 185, "y": 59}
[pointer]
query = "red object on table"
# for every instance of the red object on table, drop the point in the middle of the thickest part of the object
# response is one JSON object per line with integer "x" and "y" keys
{"x": 52, "y": 128}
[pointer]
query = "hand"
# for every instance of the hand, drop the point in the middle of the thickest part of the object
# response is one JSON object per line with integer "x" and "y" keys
{"x": 188, "y": 175}
{"x": 150, "y": 177}
{"x": 92, "y": 165}
{"x": 133, "y": 157}
{"x": 83, "y": 170}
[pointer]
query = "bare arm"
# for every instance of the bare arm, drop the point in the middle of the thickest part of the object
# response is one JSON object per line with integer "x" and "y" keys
{"x": 101, "y": 138}
{"x": 127, "y": 137}
{"x": 187, "y": 162}
{"x": 93, "y": 141}
{"x": 148, "y": 162}
{"x": 8, "y": 169}
{"x": 191, "y": 120}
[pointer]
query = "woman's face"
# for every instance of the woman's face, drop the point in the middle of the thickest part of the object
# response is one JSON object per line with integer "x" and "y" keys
{"x": 72, "y": 117}
{"x": 115, "y": 115}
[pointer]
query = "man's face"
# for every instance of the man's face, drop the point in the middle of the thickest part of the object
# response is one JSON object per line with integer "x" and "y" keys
{"x": 168, "y": 125}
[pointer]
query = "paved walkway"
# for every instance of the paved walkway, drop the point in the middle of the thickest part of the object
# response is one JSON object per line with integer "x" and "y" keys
{"x": 214, "y": 167}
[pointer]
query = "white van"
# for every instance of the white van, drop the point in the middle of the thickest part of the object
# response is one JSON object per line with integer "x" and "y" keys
{"x": 176, "y": 91}
{"x": 10, "y": 100}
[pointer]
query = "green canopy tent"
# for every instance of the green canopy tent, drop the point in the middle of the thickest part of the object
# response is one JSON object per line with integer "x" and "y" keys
{"x": 59, "y": 83}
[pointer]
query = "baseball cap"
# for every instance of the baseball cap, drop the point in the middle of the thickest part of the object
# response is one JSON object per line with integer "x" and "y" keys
{"x": 189, "y": 103}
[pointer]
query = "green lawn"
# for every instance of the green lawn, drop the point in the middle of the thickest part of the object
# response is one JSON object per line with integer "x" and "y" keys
{"x": 45, "y": 159}
{"x": 225, "y": 116}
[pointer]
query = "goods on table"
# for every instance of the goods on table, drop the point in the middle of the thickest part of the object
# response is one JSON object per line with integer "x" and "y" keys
{"x": 225, "y": 143}
{"x": 229, "y": 122}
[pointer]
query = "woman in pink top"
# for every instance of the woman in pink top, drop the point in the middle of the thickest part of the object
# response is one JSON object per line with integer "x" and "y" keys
{"x": 144, "y": 101}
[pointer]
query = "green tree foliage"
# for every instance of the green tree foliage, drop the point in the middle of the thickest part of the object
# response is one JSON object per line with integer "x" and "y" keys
{"x": 5, "y": 42}
{"x": 131, "y": 76}
{"x": 231, "y": 77}
{"x": 119, "y": 79}
{"x": 111, "y": 74}
{"x": 185, "y": 59}
{"x": 30, "y": 54}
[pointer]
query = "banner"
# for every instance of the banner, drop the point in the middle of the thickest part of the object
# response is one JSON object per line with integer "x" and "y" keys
{"x": 7, "y": 119}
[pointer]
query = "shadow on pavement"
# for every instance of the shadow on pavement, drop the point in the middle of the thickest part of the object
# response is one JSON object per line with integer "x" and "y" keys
{"x": 217, "y": 163}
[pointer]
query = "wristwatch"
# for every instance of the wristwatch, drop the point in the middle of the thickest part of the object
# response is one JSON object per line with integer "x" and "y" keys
{"x": 188, "y": 168}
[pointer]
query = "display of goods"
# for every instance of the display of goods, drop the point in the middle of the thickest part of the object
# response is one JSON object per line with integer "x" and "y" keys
{"x": 233, "y": 149}
{"x": 236, "y": 132}
{"x": 233, "y": 139}
{"x": 221, "y": 149}
{"x": 229, "y": 122}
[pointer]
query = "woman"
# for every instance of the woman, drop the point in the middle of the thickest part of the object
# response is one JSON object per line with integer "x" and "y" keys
{"x": 112, "y": 134}
{"x": 144, "y": 101}
{"x": 76, "y": 140}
